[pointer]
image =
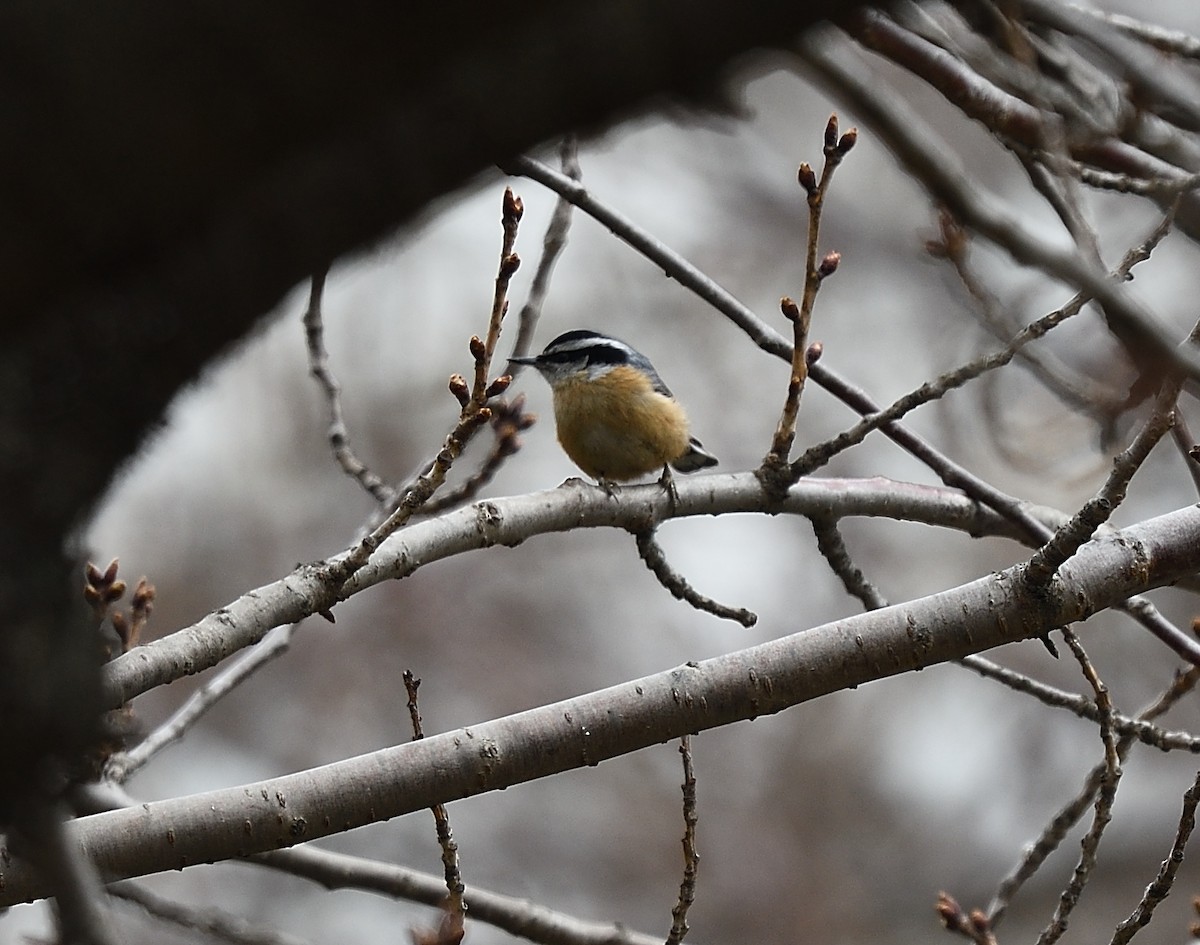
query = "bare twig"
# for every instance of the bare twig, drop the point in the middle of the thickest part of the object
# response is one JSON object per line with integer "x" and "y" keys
{"x": 691, "y": 859}
{"x": 510, "y": 220}
{"x": 121, "y": 765}
{"x": 1134, "y": 729}
{"x": 1160, "y": 888}
{"x": 833, "y": 548}
{"x": 207, "y": 921}
{"x": 656, "y": 560}
{"x": 1148, "y": 342}
{"x": 518, "y": 917}
{"x": 836, "y": 147}
{"x": 1097, "y": 510}
{"x": 820, "y": 454}
{"x": 553, "y": 244}
{"x": 455, "y": 906}
{"x": 508, "y": 420}
{"x": 1105, "y": 795}
{"x": 319, "y": 368}
{"x": 473, "y": 401}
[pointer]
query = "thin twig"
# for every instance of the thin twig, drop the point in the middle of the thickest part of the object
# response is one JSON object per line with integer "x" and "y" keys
{"x": 1105, "y": 795}
{"x": 207, "y": 921}
{"x": 1056, "y": 831}
{"x": 691, "y": 859}
{"x": 1160, "y": 888}
{"x": 510, "y": 220}
{"x": 656, "y": 560}
{"x": 1133, "y": 728}
{"x": 319, "y": 368}
{"x": 518, "y": 917}
{"x": 553, "y": 243}
{"x": 473, "y": 401}
{"x": 820, "y": 454}
{"x": 509, "y": 419}
{"x": 455, "y": 906}
{"x": 833, "y": 548}
{"x": 836, "y": 147}
{"x": 1072, "y": 534}
{"x": 121, "y": 765}
{"x": 917, "y": 148}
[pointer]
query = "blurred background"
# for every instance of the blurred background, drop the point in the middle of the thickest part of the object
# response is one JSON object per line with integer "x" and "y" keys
{"x": 838, "y": 820}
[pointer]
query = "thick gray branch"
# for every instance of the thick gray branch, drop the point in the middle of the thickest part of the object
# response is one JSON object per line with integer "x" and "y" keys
{"x": 509, "y": 521}
{"x": 760, "y": 680}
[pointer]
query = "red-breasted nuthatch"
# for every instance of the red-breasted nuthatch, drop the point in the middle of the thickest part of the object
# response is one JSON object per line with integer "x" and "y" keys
{"x": 616, "y": 419}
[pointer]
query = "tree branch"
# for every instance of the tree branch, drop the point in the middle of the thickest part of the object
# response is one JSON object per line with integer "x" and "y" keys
{"x": 586, "y": 730}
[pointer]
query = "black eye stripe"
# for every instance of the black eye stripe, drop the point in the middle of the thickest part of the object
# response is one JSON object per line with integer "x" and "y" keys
{"x": 596, "y": 353}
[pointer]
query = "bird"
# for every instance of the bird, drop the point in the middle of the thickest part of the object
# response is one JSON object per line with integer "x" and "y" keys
{"x": 615, "y": 417}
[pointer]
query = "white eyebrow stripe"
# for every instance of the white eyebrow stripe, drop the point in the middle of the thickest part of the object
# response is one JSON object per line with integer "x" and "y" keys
{"x": 583, "y": 344}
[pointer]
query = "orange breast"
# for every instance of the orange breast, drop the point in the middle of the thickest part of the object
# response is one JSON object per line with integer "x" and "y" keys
{"x": 617, "y": 426}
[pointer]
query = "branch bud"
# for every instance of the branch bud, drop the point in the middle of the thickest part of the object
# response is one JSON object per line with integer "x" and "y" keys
{"x": 829, "y": 264}
{"x": 847, "y": 141}
{"x": 791, "y": 311}
{"x": 458, "y": 387}
{"x": 813, "y": 354}
{"x": 509, "y": 265}
{"x": 831, "y": 133}
{"x": 499, "y": 385}
{"x": 514, "y": 207}
{"x": 478, "y": 349}
{"x": 808, "y": 180}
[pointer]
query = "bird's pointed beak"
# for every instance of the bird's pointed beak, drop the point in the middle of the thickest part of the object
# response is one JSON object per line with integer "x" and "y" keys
{"x": 523, "y": 360}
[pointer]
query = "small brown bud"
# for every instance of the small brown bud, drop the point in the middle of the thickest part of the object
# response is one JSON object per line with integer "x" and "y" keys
{"x": 814, "y": 352}
{"x": 114, "y": 592}
{"x": 143, "y": 595}
{"x": 499, "y": 385}
{"x": 847, "y": 141}
{"x": 808, "y": 179}
{"x": 458, "y": 387}
{"x": 110, "y": 572}
{"x": 514, "y": 207}
{"x": 831, "y": 133}
{"x": 979, "y": 920}
{"x": 91, "y": 595}
{"x": 478, "y": 350}
{"x": 509, "y": 265}
{"x": 791, "y": 311}
{"x": 949, "y": 912}
{"x": 829, "y": 264}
